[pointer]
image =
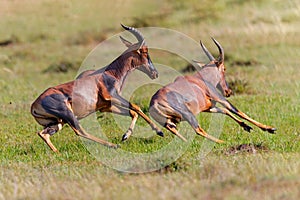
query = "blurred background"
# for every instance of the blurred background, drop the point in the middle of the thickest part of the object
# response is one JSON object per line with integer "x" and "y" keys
{"x": 55, "y": 36}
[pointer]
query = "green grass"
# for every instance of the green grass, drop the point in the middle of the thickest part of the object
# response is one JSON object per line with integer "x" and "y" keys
{"x": 46, "y": 34}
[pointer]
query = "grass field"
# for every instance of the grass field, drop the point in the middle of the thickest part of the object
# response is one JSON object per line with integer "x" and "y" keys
{"x": 261, "y": 42}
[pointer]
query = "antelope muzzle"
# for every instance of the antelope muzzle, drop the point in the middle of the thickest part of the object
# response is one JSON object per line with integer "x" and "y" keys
{"x": 153, "y": 72}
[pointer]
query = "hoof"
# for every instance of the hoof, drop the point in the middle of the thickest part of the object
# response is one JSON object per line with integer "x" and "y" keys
{"x": 124, "y": 137}
{"x": 271, "y": 130}
{"x": 246, "y": 127}
{"x": 160, "y": 133}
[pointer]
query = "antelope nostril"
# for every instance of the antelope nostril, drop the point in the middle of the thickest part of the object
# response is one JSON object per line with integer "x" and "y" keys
{"x": 154, "y": 74}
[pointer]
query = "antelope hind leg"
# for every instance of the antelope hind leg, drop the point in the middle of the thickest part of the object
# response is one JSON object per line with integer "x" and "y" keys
{"x": 201, "y": 132}
{"x": 70, "y": 118}
{"x": 191, "y": 119}
{"x": 172, "y": 127}
{"x": 80, "y": 132}
{"x": 47, "y": 132}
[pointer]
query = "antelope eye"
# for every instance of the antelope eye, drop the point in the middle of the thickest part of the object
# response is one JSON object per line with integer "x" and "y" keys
{"x": 143, "y": 51}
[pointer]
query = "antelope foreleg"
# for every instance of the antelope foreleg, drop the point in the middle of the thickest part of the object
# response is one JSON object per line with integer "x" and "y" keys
{"x": 119, "y": 101}
{"x": 239, "y": 113}
{"x": 126, "y": 112}
{"x": 134, "y": 117}
{"x": 138, "y": 110}
{"x": 227, "y": 112}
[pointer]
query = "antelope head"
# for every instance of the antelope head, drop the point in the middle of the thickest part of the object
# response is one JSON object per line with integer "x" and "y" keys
{"x": 214, "y": 71}
{"x": 141, "y": 59}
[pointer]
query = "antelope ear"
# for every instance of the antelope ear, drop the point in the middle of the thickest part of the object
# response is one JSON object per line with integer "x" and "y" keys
{"x": 135, "y": 47}
{"x": 198, "y": 63}
{"x": 218, "y": 63}
{"x": 139, "y": 45}
{"x": 126, "y": 42}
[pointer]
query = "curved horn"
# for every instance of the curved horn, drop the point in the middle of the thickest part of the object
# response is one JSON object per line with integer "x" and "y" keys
{"x": 208, "y": 54}
{"x": 221, "y": 51}
{"x": 135, "y": 32}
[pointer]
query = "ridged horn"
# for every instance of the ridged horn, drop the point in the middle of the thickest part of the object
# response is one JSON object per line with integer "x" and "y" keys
{"x": 136, "y": 33}
{"x": 208, "y": 54}
{"x": 221, "y": 51}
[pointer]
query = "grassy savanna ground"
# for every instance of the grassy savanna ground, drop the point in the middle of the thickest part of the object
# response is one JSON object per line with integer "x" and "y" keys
{"x": 47, "y": 33}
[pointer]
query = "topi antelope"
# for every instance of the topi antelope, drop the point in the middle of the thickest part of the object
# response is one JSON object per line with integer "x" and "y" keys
{"x": 94, "y": 91}
{"x": 189, "y": 95}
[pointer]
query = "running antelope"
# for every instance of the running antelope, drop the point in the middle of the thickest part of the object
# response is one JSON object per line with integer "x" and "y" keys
{"x": 95, "y": 91}
{"x": 189, "y": 95}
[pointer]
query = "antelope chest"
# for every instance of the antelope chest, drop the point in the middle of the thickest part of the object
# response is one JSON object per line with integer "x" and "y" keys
{"x": 84, "y": 100}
